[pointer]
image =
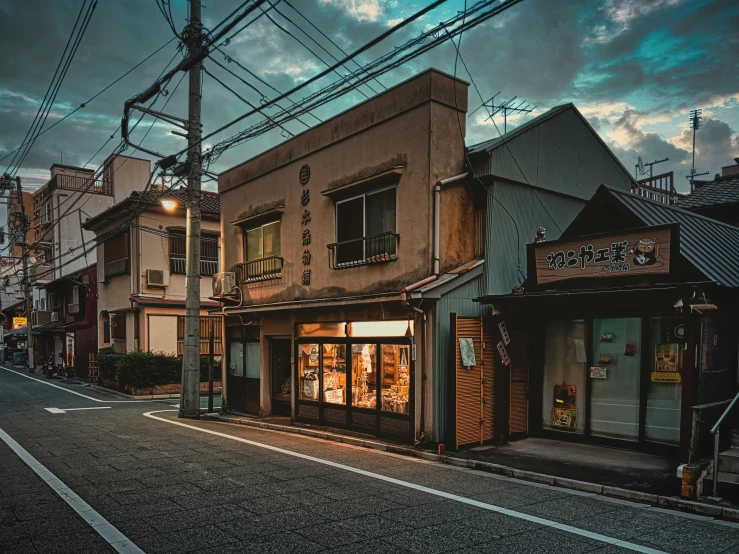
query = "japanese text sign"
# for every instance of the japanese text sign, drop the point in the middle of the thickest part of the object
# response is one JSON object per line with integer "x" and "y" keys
{"x": 640, "y": 252}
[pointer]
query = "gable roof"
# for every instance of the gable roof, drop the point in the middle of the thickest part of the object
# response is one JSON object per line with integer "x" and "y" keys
{"x": 210, "y": 203}
{"x": 720, "y": 191}
{"x": 712, "y": 246}
{"x": 492, "y": 144}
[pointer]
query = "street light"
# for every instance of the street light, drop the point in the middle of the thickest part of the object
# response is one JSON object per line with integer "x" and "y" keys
{"x": 169, "y": 205}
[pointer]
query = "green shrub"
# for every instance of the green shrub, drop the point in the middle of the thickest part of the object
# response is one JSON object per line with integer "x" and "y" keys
{"x": 107, "y": 359}
{"x": 148, "y": 369}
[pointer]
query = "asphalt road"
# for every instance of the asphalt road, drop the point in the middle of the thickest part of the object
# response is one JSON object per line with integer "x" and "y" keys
{"x": 130, "y": 477}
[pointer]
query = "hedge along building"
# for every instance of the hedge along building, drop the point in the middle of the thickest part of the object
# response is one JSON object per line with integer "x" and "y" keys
{"x": 141, "y": 272}
{"x": 327, "y": 234}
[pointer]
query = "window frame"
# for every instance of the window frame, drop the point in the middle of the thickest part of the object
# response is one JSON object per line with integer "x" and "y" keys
{"x": 204, "y": 236}
{"x": 245, "y": 240}
{"x": 364, "y": 196}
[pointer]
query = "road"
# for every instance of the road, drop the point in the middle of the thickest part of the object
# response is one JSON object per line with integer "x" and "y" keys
{"x": 131, "y": 477}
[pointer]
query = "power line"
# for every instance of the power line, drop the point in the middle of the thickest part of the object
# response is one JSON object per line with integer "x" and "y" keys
{"x": 84, "y": 104}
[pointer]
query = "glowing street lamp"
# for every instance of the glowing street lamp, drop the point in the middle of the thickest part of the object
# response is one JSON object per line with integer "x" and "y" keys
{"x": 169, "y": 205}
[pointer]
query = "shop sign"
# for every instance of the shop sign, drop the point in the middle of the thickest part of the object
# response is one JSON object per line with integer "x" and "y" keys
{"x": 467, "y": 351}
{"x": 597, "y": 372}
{"x": 564, "y": 418}
{"x": 665, "y": 377}
{"x": 504, "y": 333}
{"x": 640, "y": 252}
{"x": 503, "y": 353}
{"x": 19, "y": 322}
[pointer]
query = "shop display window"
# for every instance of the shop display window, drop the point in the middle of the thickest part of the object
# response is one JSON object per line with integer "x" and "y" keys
{"x": 666, "y": 351}
{"x": 395, "y": 373}
{"x": 334, "y": 373}
{"x": 308, "y": 371}
{"x": 616, "y": 375}
{"x": 364, "y": 376}
{"x": 565, "y": 358}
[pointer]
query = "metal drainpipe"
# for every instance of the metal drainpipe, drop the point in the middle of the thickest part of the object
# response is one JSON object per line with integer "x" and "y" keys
{"x": 437, "y": 216}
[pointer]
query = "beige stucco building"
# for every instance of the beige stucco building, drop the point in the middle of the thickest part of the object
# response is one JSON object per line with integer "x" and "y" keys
{"x": 325, "y": 233}
{"x": 141, "y": 271}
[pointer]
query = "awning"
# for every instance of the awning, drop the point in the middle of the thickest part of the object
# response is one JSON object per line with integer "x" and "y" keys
{"x": 317, "y": 303}
{"x": 365, "y": 184}
{"x": 171, "y": 302}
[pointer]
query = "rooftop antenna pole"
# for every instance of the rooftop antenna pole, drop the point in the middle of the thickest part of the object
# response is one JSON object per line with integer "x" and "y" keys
{"x": 508, "y": 107}
{"x": 695, "y": 124}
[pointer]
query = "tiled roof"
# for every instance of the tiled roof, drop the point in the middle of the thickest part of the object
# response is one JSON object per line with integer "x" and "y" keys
{"x": 210, "y": 202}
{"x": 724, "y": 190}
{"x": 710, "y": 245}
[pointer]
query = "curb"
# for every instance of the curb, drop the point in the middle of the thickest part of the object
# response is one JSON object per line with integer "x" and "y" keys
{"x": 140, "y": 396}
{"x": 672, "y": 502}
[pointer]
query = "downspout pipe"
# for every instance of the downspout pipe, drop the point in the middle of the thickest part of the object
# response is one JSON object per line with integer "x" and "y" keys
{"x": 437, "y": 216}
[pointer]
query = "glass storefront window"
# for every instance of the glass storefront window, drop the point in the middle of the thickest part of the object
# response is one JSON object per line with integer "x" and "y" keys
{"x": 565, "y": 358}
{"x": 664, "y": 395}
{"x": 236, "y": 359}
{"x": 364, "y": 376}
{"x": 334, "y": 373}
{"x": 308, "y": 368}
{"x": 395, "y": 373}
{"x": 614, "y": 404}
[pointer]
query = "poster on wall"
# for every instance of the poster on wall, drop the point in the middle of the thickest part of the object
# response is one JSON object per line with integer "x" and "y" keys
{"x": 564, "y": 418}
{"x": 467, "y": 352}
{"x": 70, "y": 350}
{"x": 666, "y": 356}
{"x": 597, "y": 372}
{"x": 564, "y": 396}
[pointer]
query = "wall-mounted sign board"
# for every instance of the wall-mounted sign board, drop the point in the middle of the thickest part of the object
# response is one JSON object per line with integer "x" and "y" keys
{"x": 646, "y": 251}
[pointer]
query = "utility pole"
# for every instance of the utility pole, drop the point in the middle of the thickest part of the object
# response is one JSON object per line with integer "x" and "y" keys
{"x": 190, "y": 395}
{"x": 6, "y": 183}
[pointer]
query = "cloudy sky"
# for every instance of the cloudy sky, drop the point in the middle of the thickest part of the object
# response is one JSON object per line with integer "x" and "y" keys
{"x": 634, "y": 68}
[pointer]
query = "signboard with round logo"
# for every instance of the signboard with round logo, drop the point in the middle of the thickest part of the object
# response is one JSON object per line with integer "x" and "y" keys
{"x": 304, "y": 174}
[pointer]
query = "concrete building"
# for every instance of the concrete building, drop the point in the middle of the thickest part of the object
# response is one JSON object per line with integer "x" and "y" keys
{"x": 357, "y": 245}
{"x": 141, "y": 272}
{"x": 60, "y": 246}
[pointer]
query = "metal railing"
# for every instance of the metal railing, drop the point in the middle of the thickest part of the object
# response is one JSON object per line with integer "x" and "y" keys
{"x": 179, "y": 265}
{"x": 716, "y": 432}
{"x": 259, "y": 270}
{"x": 363, "y": 251}
{"x": 116, "y": 267}
{"x": 73, "y": 182}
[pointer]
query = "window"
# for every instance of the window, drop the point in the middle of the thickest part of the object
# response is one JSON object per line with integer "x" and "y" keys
{"x": 262, "y": 253}
{"x": 205, "y": 323}
{"x": 365, "y": 230}
{"x": 178, "y": 254}
{"x": 115, "y": 254}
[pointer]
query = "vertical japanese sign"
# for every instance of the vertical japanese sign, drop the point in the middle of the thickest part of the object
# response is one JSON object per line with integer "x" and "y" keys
{"x": 640, "y": 252}
{"x": 305, "y": 220}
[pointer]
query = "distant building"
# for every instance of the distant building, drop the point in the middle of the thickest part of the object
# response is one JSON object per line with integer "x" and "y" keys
{"x": 718, "y": 199}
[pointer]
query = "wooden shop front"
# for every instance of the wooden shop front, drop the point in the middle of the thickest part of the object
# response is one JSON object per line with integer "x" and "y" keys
{"x": 355, "y": 382}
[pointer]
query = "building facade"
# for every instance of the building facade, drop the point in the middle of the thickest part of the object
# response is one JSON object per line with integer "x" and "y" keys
{"x": 141, "y": 272}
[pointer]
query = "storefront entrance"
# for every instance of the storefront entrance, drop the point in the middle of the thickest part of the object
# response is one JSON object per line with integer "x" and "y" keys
{"x": 280, "y": 377}
{"x": 361, "y": 384}
{"x": 614, "y": 379}
{"x": 242, "y": 379}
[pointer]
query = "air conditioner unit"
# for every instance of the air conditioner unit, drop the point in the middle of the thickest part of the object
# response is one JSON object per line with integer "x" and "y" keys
{"x": 73, "y": 308}
{"x": 55, "y": 317}
{"x": 157, "y": 278}
{"x": 46, "y": 214}
{"x": 224, "y": 284}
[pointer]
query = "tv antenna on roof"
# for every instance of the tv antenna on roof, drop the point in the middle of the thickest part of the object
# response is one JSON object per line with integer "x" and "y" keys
{"x": 695, "y": 124}
{"x": 505, "y": 107}
{"x": 641, "y": 167}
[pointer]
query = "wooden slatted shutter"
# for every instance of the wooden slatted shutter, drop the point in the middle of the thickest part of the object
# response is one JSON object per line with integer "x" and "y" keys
{"x": 474, "y": 386}
{"x": 519, "y": 395}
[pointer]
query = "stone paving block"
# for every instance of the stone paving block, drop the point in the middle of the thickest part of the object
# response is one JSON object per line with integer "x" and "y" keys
{"x": 627, "y": 494}
{"x": 533, "y": 476}
{"x": 279, "y": 543}
{"x": 452, "y": 536}
{"x": 547, "y": 541}
{"x": 571, "y": 509}
{"x": 578, "y": 485}
{"x": 22, "y": 546}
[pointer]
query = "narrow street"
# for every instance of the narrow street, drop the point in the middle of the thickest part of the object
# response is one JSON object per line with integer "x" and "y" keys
{"x": 154, "y": 483}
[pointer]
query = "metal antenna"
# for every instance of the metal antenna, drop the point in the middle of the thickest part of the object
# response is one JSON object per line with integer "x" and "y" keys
{"x": 506, "y": 107}
{"x": 641, "y": 167}
{"x": 695, "y": 124}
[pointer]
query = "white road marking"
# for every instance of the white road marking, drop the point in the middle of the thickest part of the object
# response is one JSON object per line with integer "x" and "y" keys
{"x": 449, "y": 496}
{"x": 65, "y": 410}
{"x": 110, "y": 534}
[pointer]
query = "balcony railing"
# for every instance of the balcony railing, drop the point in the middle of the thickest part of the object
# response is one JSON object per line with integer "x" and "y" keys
{"x": 72, "y": 182}
{"x": 368, "y": 250}
{"x": 262, "y": 269}
{"x": 179, "y": 265}
{"x": 116, "y": 267}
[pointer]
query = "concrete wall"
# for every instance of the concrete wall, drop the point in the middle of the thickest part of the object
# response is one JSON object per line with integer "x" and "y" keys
{"x": 414, "y": 126}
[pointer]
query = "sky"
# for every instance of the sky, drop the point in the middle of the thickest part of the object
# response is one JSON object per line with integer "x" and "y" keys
{"x": 634, "y": 68}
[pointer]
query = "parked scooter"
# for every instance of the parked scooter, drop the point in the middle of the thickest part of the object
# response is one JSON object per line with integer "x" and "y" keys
{"x": 50, "y": 369}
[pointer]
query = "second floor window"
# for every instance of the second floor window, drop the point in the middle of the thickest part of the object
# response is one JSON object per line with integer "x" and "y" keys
{"x": 262, "y": 253}
{"x": 115, "y": 253}
{"x": 178, "y": 254}
{"x": 365, "y": 229}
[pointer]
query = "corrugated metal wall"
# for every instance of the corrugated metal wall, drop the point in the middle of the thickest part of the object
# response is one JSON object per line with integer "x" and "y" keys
{"x": 502, "y": 242}
{"x": 459, "y": 301}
